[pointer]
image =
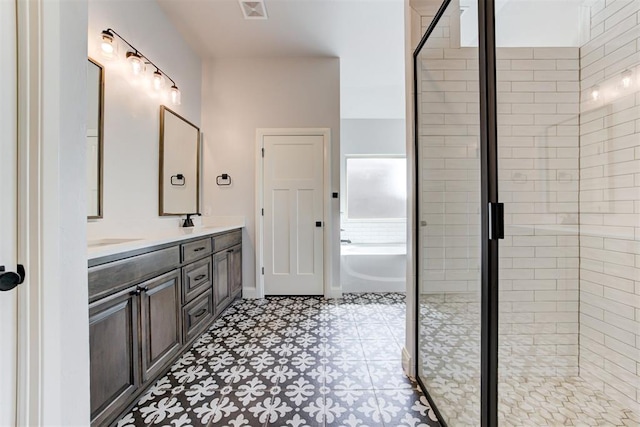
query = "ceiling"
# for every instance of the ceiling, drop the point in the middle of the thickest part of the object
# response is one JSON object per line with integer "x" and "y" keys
{"x": 367, "y": 36}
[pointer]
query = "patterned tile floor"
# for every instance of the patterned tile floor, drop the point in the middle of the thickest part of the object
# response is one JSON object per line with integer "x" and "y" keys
{"x": 450, "y": 365}
{"x": 292, "y": 361}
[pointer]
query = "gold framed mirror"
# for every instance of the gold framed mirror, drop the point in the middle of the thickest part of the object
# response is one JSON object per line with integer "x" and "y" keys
{"x": 95, "y": 139}
{"x": 179, "y": 164}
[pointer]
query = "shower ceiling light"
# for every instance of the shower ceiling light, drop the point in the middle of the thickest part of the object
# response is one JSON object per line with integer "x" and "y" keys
{"x": 627, "y": 76}
{"x": 138, "y": 61}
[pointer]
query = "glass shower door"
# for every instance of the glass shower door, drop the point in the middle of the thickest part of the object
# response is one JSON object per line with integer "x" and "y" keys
{"x": 449, "y": 214}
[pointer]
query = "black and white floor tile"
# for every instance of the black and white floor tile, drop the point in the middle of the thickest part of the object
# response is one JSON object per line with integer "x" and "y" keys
{"x": 292, "y": 361}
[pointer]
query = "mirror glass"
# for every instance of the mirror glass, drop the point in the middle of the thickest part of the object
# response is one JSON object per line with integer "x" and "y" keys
{"x": 95, "y": 104}
{"x": 179, "y": 164}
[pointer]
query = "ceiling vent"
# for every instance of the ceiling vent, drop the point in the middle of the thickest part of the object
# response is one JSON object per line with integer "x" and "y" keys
{"x": 253, "y": 9}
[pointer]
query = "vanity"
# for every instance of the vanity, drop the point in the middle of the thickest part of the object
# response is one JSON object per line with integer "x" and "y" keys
{"x": 149, "y": 300}
{"x": 152, "y": 296}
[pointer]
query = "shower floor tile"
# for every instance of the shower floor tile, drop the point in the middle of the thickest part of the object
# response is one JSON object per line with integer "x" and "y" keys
{"x": 450, "y": 366}
{"x": 291, "y": 361}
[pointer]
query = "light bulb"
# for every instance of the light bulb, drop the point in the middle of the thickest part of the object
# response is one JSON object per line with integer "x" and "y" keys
{"x": 136, "y": 63}
{"x": 157, "y": 80}
{"x": 626, "y": 79}
{"x": 107, "y": 45}
{"x": 595, "y": 93}
{"x": 175, "y": 95}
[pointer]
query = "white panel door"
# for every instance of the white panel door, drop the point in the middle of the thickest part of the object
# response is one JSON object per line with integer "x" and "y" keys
{"x": 8, "y": 211}
{"x": 293, "y": 215}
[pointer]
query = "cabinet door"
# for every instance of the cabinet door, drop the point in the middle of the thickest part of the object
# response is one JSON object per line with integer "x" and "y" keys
{"x": 221, "y": 290}
{"x": 113, "y": 347}
{"x": 235, "y": 270}
{"x": 161, "y": 322}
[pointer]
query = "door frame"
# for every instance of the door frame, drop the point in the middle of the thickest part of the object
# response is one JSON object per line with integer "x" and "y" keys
{"x": 490, "y": 212}
{"x": 326, "y": 201}
{"x": 30, "y": 211}
{"x": 53, "y": 386}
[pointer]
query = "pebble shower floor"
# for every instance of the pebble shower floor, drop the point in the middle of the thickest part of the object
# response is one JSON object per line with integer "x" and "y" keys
{"x": 292, "y": 361}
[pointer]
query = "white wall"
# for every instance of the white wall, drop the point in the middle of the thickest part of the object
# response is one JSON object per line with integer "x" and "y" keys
{"x": 131, "y": 117}
{"x": 370, "y": 137}
{"x": 241, "y": 95}
{"x": 64, "y": 346}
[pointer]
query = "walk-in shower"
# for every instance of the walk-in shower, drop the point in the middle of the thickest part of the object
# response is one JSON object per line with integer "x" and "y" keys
{"x": 567, "y": 110}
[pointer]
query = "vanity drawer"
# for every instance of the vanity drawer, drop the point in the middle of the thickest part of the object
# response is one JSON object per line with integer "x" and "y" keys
{"x": 196, "y": 278}
{"x": 225, "y": 241}
{"x": 197, "y": 314}
{"x": 108, "y": 278}
{"x": 195, "y": 250}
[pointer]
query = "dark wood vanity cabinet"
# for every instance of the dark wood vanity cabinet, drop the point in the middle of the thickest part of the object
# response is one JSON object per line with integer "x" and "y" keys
{"x": 114, "y": 342}
{"x": 221, "y": 288}
{"x": 148, "y": 306}
{"x": 160, "y": 321}
{"x": 235, "y": 270}
{"x": 227, "y": 269}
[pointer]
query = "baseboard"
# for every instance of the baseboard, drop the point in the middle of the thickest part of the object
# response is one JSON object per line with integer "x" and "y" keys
{"x": 407, "y": 366}
{"x": 333, "y": 293}
{"x": 250, "y": 293}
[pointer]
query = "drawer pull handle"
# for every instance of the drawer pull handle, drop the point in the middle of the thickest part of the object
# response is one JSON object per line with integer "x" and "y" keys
{"x": 200, "y": 277}
{"x": 230, "y": 251}
{"x": 200, "y": 312}
{"x": 201, "y": 248}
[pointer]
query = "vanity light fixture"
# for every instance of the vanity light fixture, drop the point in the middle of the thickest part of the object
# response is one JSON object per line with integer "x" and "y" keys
{"x": 138, "y": 63}
{"x": 158, "y": 80}
{"x": 107, "y": 46}
{"x": 175, "y": 95}
{"x": 627, "y": 76}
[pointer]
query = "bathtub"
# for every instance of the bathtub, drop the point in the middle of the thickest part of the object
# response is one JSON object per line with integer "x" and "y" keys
{"x": 373, "y": 267}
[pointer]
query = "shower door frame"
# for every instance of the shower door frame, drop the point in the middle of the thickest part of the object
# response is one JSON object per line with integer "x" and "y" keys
{"x": 491, "y": 212}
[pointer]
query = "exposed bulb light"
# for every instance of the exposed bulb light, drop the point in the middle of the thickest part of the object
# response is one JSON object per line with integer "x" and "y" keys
{"x": 595, "y": 93}
{"x": 627, "y": 79}
{"x": 158, "y": 80}
{"x": 136, "y": 62}
{"x": 175, "y": 95}
{"x": 155, "y": 83}
{"x": 107, "y": 46}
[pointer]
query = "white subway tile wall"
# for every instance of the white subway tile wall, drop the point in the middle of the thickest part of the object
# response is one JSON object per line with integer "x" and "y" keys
{"x": 538, "y": 147}
{"x": 374, "y": 232}
{"x": 610, "y": 203}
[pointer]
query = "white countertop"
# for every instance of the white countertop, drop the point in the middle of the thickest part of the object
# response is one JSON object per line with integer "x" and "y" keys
{"x": 118, "y": 244}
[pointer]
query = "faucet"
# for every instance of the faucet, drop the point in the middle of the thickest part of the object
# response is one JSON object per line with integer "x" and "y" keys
{"x": 345, "y": 241}
{"x": 188, "y": 222}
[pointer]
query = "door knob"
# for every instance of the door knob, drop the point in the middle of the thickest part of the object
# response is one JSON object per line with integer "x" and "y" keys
{"x": 10, "y": 279}
{"x": 318, "y": 223}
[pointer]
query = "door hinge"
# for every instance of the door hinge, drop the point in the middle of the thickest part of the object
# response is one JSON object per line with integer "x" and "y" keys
{"x": 263, "y": 271}
{"x": 263, "y": 152}
{"x": 262, "y": 211}
{"x": 496, "y": 221}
